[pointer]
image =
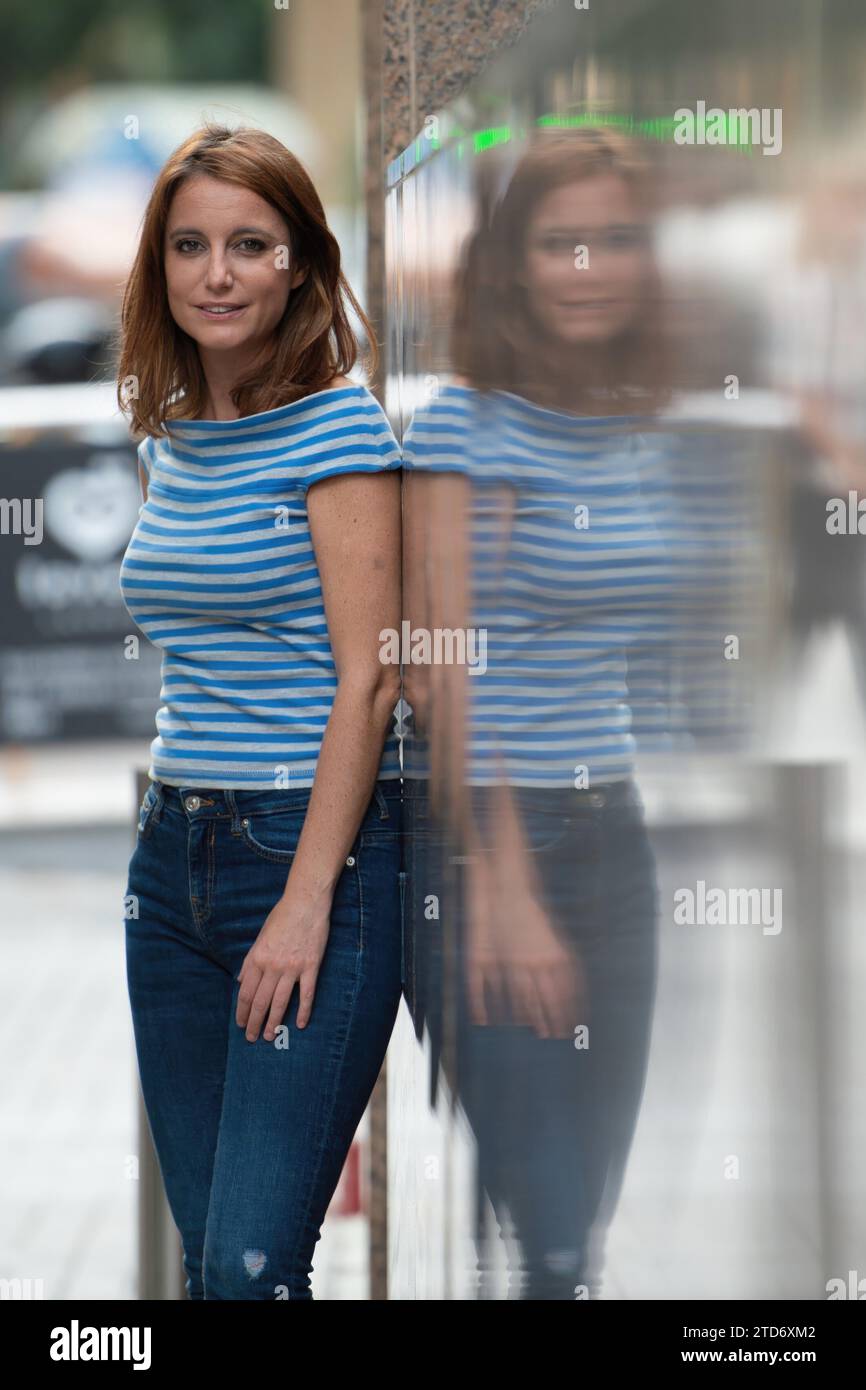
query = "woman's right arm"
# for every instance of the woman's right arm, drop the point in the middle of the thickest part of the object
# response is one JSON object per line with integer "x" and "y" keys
{"x": 517, "y": 968}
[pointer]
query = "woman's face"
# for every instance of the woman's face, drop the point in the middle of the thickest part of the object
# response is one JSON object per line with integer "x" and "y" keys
{"x": 586, "y": 260}
{"x": 227, "y": 248}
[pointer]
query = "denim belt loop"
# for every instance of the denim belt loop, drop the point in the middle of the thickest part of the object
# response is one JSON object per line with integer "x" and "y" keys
{"x": 233, "y": 807}
{"x": 384, "y": 813}
{"x": 159, "y": 800}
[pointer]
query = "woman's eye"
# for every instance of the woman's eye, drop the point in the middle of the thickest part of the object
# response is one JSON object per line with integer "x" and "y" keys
{"x": 557, "y": 244}
{"x": 623, "y": 238}
{"x": 185, "y": 241}
{"x": 253, "y": 243}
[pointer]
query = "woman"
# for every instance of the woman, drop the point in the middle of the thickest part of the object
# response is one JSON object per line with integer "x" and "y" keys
{"x": 526, "y": 521}
{"x": 263, "y": 926}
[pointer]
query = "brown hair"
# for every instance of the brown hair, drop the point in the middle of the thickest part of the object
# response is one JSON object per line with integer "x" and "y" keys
{"x": 314, "y": 341}
{"x": 495, "y": 339}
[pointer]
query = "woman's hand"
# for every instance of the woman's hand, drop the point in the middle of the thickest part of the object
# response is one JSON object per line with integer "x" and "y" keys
{"x": 288, "y": 951}
{"x": 519, "y": 971}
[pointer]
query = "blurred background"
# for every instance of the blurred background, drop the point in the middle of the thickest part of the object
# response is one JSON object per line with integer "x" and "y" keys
{"x": 412, "y": 119}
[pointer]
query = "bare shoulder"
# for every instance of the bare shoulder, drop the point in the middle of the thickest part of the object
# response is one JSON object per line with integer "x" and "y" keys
{"x": 339, "y": 381}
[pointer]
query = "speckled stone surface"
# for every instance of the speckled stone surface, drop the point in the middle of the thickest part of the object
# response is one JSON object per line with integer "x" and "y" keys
{"x": 469, "y": 59}
{"x": 431, "y": 51}
{"x": 419, "y": 55}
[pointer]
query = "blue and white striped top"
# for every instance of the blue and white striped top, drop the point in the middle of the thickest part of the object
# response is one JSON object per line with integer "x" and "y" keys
{"x": 582, "y": 578}
{"x": 221, "y": 574}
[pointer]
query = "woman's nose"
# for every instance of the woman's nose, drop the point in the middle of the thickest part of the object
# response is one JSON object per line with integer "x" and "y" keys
{"x": 218, "y": 271}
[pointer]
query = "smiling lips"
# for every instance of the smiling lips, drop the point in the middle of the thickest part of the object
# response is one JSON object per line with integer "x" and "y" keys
{"x": 221, "y": 311}
{"x": 593, "y": 305}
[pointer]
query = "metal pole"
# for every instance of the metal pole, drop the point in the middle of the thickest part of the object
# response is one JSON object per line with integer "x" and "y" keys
{"x": 160, "y": 1256}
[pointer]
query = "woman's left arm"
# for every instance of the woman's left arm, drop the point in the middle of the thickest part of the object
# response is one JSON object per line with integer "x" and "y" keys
{"x": 355, "y": 525}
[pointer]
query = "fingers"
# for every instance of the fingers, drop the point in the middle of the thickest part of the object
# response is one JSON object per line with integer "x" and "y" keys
{"x": 265, "y": 993}
{"x": 566, "y": 997}
{"x": 307, "y": 991}
{"x": 553, "y": 1004}
{"x": 261, "y": 1002}
{"x": 250, "y": 976}
{"x": 279, "y": 1004}
{"x": 525, "y": 1006}
{"x": 475, "y": 988}
{"x": 494, "y": 1005}
{"x": 547, "y": 1000}
{"x": 547, "y": 997}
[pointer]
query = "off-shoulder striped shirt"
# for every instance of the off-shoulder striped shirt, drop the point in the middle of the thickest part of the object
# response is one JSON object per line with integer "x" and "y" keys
{"x": 582, "y": 577}
{"x": 220, "y": 573}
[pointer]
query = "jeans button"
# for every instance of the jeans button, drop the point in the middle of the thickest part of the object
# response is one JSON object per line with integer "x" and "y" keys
{"x": 192, "y": 803}
{"x": 350, "y": 861}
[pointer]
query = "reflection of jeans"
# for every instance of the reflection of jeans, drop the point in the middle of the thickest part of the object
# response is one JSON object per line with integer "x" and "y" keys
{"x": 829, "y": 575}
{"x": 251, "y": 1137}
{"x": 553, "y": 1122}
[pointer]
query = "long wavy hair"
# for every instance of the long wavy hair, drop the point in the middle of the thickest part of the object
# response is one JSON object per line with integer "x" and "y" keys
{"x": 496, "y": 342}
{"x": 313, "y": 341}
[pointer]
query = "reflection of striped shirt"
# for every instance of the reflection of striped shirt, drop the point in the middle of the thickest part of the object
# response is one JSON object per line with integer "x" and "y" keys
{"x": 220, "y": 572}
{"x": 583, "y": 577}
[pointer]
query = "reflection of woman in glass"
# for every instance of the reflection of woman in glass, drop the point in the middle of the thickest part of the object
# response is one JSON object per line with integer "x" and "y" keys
{"x": 526, "y": 522}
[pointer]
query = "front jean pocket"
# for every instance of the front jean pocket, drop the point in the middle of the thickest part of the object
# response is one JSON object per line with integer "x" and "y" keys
{"x": 544, "y": 824}
{"x": 145, "y": 811}
{"x": 543, "y": 817}
{"x": 274, "y": 837}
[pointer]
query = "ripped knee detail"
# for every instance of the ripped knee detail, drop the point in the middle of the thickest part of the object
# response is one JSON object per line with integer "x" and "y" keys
{"x": 254, "y": 1262}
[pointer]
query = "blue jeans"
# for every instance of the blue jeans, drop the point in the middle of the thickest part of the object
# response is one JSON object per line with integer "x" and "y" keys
{"x": 251, "y": 1137}
{"x": 553, "y": 1118}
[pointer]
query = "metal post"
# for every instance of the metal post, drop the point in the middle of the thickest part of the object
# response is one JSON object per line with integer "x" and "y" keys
{"x": 160, "y": 1256}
